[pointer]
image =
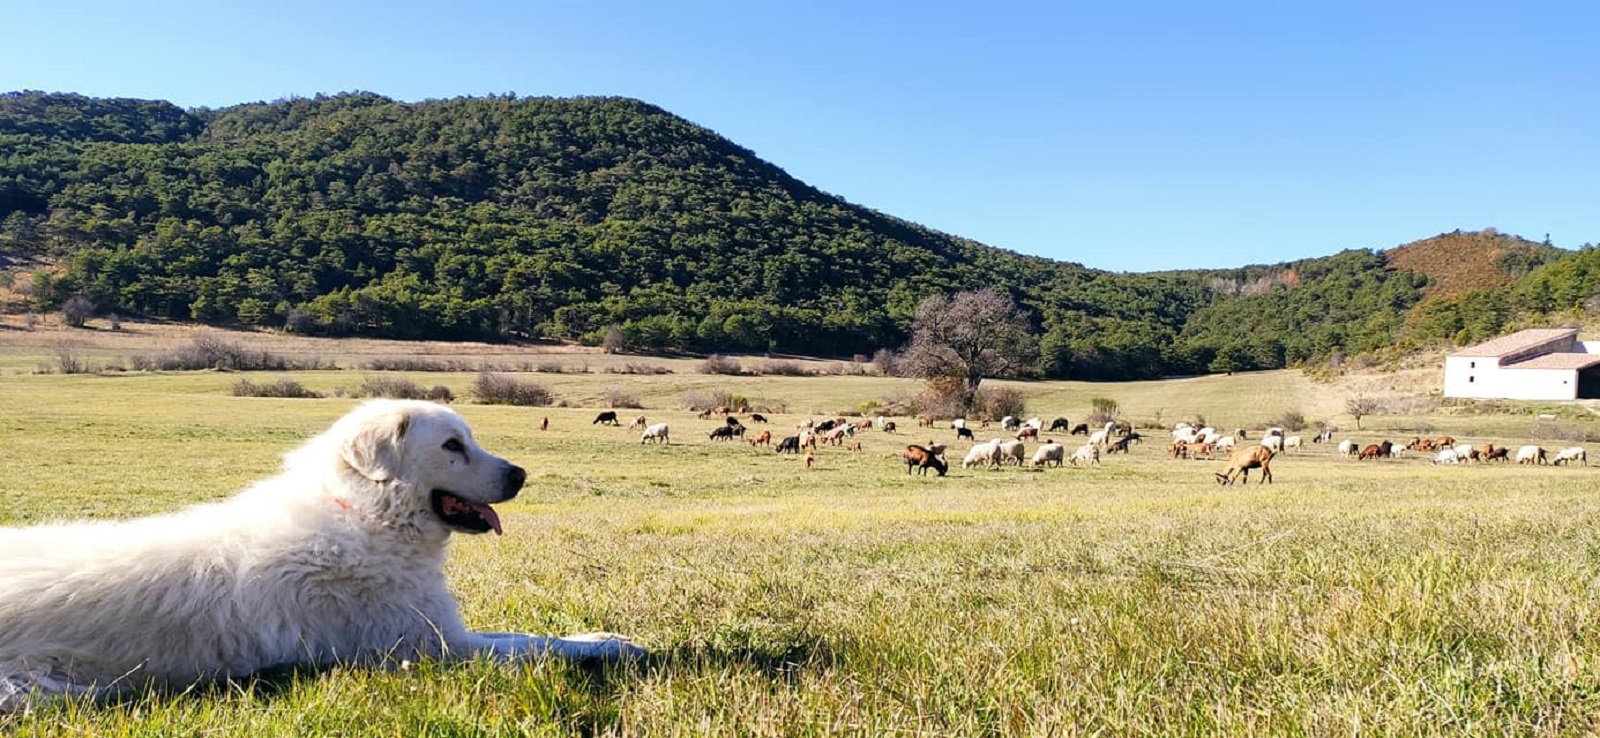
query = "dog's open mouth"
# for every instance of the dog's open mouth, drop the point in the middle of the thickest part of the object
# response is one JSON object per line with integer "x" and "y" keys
{"x": 464, "y": 514}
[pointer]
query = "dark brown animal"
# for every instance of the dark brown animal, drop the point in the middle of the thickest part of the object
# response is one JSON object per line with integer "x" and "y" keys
{"x": 923, "y": 460}
{"x": 1028, "y": 432}
{"x": 1081, "y": 429}
{"x": 1372, "y": 451}
{"x": 544, "y": 424}
{"x": 1245, "y": 458}
{"x": 1178, "y": 449}
{"x": 758, "y": 417}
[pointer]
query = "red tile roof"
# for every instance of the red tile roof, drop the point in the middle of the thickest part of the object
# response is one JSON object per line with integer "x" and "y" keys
{"x": 1557, "y": 361}
{"x": 1518, "y": 342}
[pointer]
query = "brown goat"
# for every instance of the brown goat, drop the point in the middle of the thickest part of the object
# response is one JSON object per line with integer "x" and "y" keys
{"x": 1372, "y": 451}
{"x": 1245, "y": 458}
{"x": 923, "y": 459}
{"x": 764, "y": 438}
{"x": 1028, "y": 432}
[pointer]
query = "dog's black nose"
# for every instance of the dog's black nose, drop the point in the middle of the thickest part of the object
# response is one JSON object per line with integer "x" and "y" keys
{"x": 515, "y": 477}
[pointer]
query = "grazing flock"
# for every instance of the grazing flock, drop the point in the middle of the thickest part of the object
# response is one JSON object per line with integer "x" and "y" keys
{"x": 1242, "y": 450}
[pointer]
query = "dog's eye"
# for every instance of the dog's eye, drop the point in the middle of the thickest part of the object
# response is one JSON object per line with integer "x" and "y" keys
{"x": 454, "y": 446}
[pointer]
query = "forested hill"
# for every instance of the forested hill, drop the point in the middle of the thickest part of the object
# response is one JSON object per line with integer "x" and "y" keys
{"x": 507, "y": 218}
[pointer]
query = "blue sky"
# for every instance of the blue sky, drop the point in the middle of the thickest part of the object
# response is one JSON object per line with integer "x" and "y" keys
{"x": 1130, "y": 136}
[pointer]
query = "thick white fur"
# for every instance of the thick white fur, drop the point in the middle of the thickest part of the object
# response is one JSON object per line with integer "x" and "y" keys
{"x": 337, "y": 559}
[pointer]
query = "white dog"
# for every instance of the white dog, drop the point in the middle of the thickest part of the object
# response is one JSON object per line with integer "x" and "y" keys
{"x": 337, "y": 559}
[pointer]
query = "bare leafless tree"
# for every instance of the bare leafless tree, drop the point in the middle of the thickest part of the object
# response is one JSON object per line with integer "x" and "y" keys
{"x": 1361, "y": 406}
{"x": 957, "y": 342}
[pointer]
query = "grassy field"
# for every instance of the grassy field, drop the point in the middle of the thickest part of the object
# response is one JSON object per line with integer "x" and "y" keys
{"x": 1137, "y": 597}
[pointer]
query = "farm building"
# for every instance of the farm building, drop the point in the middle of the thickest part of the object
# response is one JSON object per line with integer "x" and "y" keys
{"x": 1535, "y": 364}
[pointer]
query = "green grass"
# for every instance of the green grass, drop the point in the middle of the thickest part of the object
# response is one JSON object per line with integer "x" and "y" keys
{"x": 1389, "y": 598}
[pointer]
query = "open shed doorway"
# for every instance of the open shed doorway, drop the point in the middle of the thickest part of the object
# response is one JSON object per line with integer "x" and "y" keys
{"x": 1589, "y": 383}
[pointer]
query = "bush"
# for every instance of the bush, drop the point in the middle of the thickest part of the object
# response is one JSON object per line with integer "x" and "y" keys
{"x": 718, "y": 364}
{"x": 77, "y": 310}
{"x": 638, "y": 368}
{"x": 698, "y": 401}
{"x": 887, "y": 362}
{"x": 1290, "y": 420}
{"x": 1102, "y": 410}
{"x": 440, "y": 393}
{"x": 503, "y": 389}
{"x": 615, "y": 396}
{"x": 998, "y": 402}
{"x": 281, "y": 388}
{"x": 411, "y": 364}
{"x": 779, "y": 367}
{"x": 398, "y": 388}
{"x": 69, "y": 360}
{"x": 208, "y": 351}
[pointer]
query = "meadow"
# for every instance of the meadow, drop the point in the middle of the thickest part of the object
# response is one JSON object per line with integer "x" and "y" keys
{"x": 1137, "y": 597}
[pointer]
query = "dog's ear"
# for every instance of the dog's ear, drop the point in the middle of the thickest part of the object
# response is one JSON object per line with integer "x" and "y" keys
{"x": 372, "y": 448}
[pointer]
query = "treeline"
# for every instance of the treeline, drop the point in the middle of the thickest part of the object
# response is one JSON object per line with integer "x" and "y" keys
{"x": 588, "y": 219}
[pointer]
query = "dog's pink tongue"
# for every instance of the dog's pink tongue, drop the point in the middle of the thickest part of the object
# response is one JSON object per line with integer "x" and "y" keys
{"x": 489, "y": 516}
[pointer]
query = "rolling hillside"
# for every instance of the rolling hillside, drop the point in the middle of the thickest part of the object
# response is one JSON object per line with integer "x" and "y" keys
{"x": 506, "y": 218}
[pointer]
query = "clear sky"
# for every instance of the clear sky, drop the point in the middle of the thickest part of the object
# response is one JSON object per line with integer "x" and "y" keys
{"x": 1130, "y": 136}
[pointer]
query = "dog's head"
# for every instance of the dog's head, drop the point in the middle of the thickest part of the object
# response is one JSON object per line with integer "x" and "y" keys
{"x": 423, "y": 459}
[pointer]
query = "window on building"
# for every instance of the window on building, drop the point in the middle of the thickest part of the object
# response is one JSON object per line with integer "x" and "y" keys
{"x": 1470, "y": 380}
{"x": 1472, "y": 365}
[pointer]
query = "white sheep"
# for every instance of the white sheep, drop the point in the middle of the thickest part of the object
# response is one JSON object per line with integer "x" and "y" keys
{"x": 1348, "y": 448}
{"x": 1048, "y": 452}
{"x": 1530, "y": 455}
{"x": 1012, "y": 451}
{"x": 1292, "y": 442}
{"x": 958, "y": 423}
{"x": 986, "y": 453}
{"x": 1571, "y": 454}
{"x": 1463, "y": 449}
{"x": 1447, "y": 456}
{"x": 656, "y": 433}
{"x": 1009, "y": 423}
{"x": 1273, "y": 443}
{"x": 1226, "y": 442}
{"x": 1086, "y": 454}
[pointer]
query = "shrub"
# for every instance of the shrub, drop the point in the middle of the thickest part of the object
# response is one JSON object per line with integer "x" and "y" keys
{"x": 503, "y": 389}
{"x": 440, "y": 393}
{"x": 615, "y": 396}
{"x": 703, "y": 401}
{"x": 281, "y": 388}
{"x": 398, "y": 388}
{"x": 942, "y": 397}
{"x": 886, "y": 361}
{"x": 77, "y": 310}
{"x": 208, "y": 351}
{"x": 1102, "y": 410}
{"x": 1290, "y": 420}
{"x": 998, "y": 402}
{"x": 69, "y": 360}
{"x": 779, "y": 367}
{"x": 638, "y": 368}
{"x": 718, "y": 364}
{"x": 410, "y": 364}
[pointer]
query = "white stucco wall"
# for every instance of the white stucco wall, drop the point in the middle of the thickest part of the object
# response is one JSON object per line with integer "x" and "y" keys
{"x": 1482, "y": 378}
